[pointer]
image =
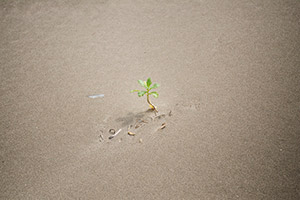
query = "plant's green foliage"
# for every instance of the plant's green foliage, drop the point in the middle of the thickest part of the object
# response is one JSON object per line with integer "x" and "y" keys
{"x": 142, "y": 83}
{"x": 155, "y": 94}
{"x": 155, "y": 85}
{"x": 149, "y": 82}
{"x": 147, "y": 85}
{"x": 142, "y": 93}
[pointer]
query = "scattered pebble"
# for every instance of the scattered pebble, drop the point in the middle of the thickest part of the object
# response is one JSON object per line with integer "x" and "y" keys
{"x": 140, "y": 140}
{"x": 131, "y": 133}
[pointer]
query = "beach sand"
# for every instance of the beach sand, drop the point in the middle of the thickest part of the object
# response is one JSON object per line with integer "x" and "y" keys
{"x": 229, "y": 73}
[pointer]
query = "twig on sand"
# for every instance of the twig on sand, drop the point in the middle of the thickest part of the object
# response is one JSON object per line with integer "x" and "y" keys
{"x": 101, "y": 138}
{"x": 129, "y": 127}
{"x": 163, "y": 126}
{"x": 96, "y": 96}
{"x": 114, "y": 135}
{"x": 140, "y": 123}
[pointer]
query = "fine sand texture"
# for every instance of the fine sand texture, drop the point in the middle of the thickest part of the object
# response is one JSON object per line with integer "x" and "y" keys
{"x": 228, "y": 125}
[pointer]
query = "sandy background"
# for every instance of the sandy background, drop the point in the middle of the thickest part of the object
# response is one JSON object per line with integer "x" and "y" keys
{"x": 229, "y": 72}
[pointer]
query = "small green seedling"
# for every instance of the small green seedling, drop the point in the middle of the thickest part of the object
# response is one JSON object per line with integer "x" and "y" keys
{"x": 148, "y": 87}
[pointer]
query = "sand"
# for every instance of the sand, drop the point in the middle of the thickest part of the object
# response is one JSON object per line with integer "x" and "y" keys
{"x": 229, "y": 71}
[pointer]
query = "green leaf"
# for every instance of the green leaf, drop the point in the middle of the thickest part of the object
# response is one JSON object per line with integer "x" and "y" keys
{"x": 141, "y": 93}
{"x": 134, "y": 91}
{"x": 156, "y": 85}
{"x": 149, "y": 82}
{"x": 155, "y": 94}
{"x": 142, "y": 83}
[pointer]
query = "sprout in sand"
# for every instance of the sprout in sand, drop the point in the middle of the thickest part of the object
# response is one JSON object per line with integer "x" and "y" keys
{"x": 148, "y": 87}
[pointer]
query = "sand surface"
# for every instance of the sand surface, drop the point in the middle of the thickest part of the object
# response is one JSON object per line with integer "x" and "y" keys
{"x": 229, "y": 72}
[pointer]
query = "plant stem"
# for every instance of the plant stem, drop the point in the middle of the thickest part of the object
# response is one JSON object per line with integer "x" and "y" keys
{"x": 149, "y": 102}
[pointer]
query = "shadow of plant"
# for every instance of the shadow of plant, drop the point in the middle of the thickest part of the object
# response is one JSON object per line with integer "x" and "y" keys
{"x": 131, "y": 118}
